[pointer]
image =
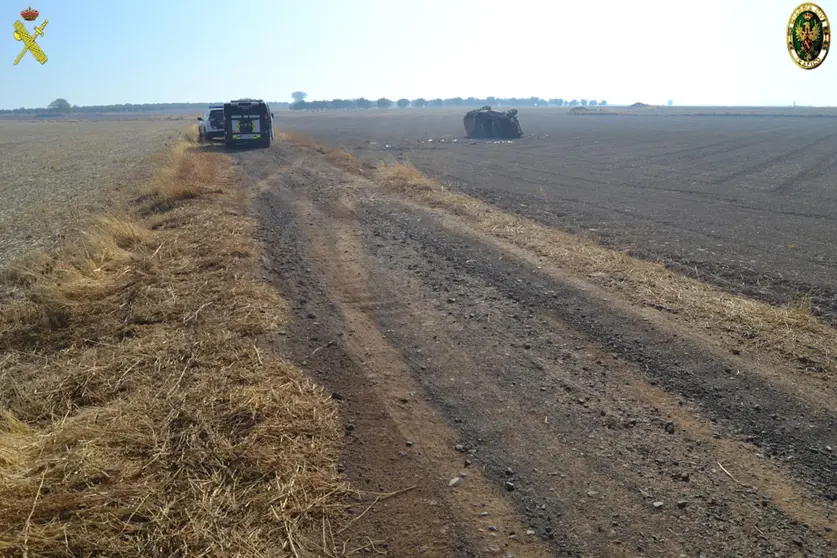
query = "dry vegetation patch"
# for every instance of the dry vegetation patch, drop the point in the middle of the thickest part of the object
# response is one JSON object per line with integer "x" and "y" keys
{"x": 405, "y": 177}
{"x": 298, "y": 138}
{"x": 346, "y": 161}
{"x": 791, "y": 331}
{"x": 51, "y": 182}
{"x": 138, "y": 414}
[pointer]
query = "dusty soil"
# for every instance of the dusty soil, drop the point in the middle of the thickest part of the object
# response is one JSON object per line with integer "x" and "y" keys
{"x": 55, "y": 173}
{"x": 746, "y": 202}
{"x": 575, "y": 424}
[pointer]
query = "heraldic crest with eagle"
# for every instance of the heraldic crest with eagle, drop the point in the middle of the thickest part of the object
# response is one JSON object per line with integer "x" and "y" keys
{"x": 808, "y": 36}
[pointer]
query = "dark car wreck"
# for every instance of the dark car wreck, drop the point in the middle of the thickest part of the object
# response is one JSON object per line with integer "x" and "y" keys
{"x": 487, "y": 123}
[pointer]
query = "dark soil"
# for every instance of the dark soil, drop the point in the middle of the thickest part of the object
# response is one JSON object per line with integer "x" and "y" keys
{"x": 583, "y": 427}
{"x": 747, "y": 203}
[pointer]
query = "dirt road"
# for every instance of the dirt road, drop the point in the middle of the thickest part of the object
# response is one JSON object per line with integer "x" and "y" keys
{"x": 746, "y": 202}
{"x": 515, "y": 410}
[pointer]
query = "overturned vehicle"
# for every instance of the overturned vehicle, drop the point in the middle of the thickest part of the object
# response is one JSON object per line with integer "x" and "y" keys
{"x": 487, "y": 123}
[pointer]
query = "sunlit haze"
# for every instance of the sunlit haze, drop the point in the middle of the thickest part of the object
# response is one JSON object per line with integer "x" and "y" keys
{"x": 695, "y": 53}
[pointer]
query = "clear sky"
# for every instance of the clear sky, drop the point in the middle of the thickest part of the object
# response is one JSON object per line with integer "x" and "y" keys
{"x": 695, "y": 52}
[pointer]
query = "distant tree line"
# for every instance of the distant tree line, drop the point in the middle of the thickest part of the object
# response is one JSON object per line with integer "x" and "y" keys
{"x": 383, "y": 103}
{"x": 61, "y": 106}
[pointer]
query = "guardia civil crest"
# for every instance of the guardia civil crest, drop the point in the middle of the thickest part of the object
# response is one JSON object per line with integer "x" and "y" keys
{"x": 809, "y": 36}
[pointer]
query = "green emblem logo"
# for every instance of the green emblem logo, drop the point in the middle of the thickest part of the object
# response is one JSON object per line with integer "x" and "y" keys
{"x": 809, "y": 36}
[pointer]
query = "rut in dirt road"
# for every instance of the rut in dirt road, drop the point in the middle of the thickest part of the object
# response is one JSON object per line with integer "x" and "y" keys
{"x": 608, "y": 434}
{"x": 395, "y": 442}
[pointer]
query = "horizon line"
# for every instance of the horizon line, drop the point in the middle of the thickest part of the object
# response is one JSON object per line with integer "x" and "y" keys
{"x": 663, "y": 105}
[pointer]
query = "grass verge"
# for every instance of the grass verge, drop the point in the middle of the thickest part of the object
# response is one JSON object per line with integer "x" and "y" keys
{"x": 139, "y": 415}
{"x": 791, "y": 332}
{"x": 348, "y": 162}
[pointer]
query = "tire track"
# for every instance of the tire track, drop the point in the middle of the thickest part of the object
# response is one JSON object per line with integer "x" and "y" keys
{"x": 492, "y": 377}
{"x": 385, "y": 405}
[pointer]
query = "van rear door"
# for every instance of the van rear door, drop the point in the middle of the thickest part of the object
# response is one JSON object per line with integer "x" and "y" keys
{"x": 245, "y": 121}
{"x": 246, "y": 126}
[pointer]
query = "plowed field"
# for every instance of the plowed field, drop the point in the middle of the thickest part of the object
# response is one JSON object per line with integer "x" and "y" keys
{"x": 748, "y": 202}
{"x": 517, "y": 407}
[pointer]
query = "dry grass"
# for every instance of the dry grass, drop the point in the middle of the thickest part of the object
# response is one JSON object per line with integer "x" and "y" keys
{"x": 182, "y": 174}
{"x": 298, "y": 138}
{"x": 399, "y": 175}
{"x": 50, "y": 181}
{"x": 405, "y": 177}
{"x": 139, "y": 415}
{"x": 791, "y": 332}
{"x": 343, "y": 159}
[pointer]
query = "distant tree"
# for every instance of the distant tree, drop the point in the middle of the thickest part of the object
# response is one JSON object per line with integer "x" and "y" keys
{"x": 384, "y": 103}
{"x": 299, "y": 96}
{"x": 60, "y": 105}
{"x": 437, "y": 103}
{"x": 403, "y": 103}
{"x": 363, "y": 103}
{"x": 455, "y": 101}
{"x": 299, "y": 105}
{"x": 560, "y": 102}
{"x": 584, "y": 102}
{"x": 574, "y": 103}
{"x": 603, "y": 103}
{"x": 593, "y": 103}
{"x": 420, "y": 102}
